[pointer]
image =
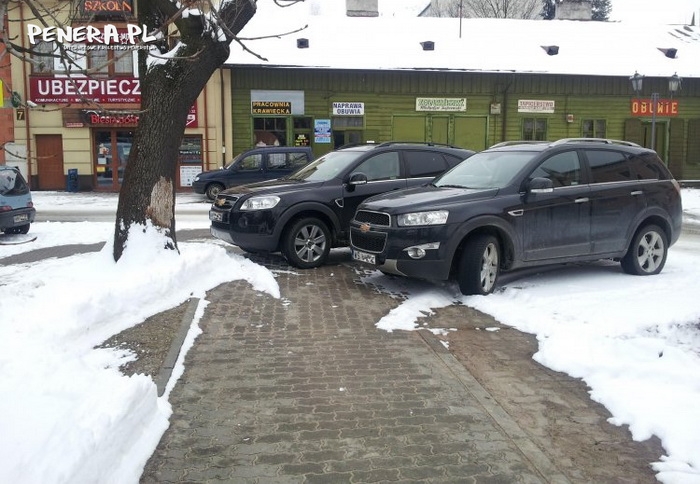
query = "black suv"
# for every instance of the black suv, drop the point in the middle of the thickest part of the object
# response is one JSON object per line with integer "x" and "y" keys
{"x": 522, "y": 204}
{"x": 308, "y": 212}
{"x": 255, "y": 165}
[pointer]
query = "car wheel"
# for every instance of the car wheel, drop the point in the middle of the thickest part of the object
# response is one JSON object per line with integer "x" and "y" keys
{"x": 307, "y": 243}
{"x": 479, "y": 265}
{"x": 647, "y": 252}
{"x": 213, "y": 190}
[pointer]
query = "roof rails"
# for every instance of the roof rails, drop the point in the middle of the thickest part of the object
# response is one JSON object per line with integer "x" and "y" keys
{"x": 517, "y": 142}
{"x": 426, "y": 143}
{"x": 352, "y": 145}
{"x": 593, "y": 140}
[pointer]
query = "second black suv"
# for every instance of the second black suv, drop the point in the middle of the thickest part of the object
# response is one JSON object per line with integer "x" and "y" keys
{"x": 526, "y": 204}
{"x": 306, "y": 213}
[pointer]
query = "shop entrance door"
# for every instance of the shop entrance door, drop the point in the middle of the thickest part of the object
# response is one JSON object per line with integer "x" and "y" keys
{"x": 111, "y": 152}
{"x": 49, "y": 154}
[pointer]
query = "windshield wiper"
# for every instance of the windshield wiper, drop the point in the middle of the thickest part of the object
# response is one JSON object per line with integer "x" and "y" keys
{"x": 451, "y": 186}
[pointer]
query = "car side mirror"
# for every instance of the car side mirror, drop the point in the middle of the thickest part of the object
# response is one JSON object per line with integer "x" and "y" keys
{"x": 356, "y": 179}
{"x": 540, "y": 185}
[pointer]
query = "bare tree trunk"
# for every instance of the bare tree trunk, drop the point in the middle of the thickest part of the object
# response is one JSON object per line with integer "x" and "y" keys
{"x": 168, "y": 90}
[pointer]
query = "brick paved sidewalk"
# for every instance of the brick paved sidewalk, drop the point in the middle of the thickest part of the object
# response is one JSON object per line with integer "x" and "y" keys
{"x": 305, "y": 389}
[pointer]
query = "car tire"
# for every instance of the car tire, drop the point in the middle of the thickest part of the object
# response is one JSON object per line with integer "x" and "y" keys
{"x": 213, "y": 190}
{"x": 647, "y": 252}
{"x": 479, "y": 265}
{"x": 307, "y": 243}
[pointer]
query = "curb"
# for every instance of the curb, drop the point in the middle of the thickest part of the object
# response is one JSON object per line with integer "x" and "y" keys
{"x": 166, "y": 370}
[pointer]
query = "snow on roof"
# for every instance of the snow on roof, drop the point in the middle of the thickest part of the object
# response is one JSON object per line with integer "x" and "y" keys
{"x": 485, "y": 45}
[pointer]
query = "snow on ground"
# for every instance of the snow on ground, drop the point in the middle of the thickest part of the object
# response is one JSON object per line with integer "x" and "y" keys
{"x": 68, "y": 415}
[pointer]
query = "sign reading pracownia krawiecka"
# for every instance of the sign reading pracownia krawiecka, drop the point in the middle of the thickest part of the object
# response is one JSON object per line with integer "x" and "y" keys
{"x": 271, "y": 107}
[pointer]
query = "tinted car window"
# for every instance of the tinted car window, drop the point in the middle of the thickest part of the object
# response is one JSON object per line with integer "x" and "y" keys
{"x": 564, "y": 169}
{"x": 12, "y": 183}
{"x": 296, "y": 160}
{"x": 646, "y": 167}
{"x": 424, "y": 163}
{"x": 384, "y": 166}
{"x": 251, "y": 162}
{"x": 608, "y": 166}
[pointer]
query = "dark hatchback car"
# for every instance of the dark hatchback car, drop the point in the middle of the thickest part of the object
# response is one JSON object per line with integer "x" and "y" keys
{"x": 255, "y": 165}
{"x": 526, "y": 204}
{"x": 17, "y": 211}
{"x": 308, "y": 212}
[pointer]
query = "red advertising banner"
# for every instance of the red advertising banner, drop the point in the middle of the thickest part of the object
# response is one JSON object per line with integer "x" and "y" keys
{"x": 645, "y": 107}
{"x": 92, "y": 117}
{"x": 60, "y": 90}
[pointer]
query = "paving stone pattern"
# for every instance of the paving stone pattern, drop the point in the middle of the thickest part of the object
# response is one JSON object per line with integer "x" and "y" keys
{"x": 305, "y": 389}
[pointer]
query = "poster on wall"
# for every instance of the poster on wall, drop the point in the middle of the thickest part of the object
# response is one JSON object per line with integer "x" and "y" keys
{"x": 322, "y": 131}
{"x": 187, "y": 174}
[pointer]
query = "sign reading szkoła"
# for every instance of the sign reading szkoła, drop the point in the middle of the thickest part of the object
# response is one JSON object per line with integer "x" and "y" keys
{"x": 441, "y": 104}
{"x": 535, "y": 106}
{"x": 348, "y": 109}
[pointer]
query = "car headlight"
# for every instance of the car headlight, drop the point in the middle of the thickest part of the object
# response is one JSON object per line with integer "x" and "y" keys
{"x": 196, "y": 178}
{"x": 260, "y": 203}
{"x": 436, "y": 217}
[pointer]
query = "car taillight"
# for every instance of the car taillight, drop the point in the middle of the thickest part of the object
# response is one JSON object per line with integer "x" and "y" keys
{"x": 30, "y": 204}
{"x": 5, "y": 208}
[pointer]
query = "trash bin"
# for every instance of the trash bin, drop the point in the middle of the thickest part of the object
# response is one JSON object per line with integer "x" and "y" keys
{"x": 72, "y": 180}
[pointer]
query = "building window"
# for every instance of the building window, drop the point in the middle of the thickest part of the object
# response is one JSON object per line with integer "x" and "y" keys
{"x": 534, "y": 129}
{"x": 593, "y": 128}
{"x": 270, "y": 131}
{"x": 345, "y": 122}
{"x": 111, "y": 62}
{"x": 42, "y": 62}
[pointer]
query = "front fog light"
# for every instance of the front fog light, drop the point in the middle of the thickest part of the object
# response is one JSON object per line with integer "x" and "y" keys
{"x": 418, "y": 251}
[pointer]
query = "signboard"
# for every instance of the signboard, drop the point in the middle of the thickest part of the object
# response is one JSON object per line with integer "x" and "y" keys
{"x": 322, "y": 131}
{"x": 535, "y": 106}
{"x": 348, "y": 109}
{"x": 187, "y": 174}
{"x": 106, "y": 8}
{"x": 645, "y": 107}
{"x": 121, "y": 118}
{"x": 441, "y": 104}
{"x": 271, "y": 107}
{"x": 64, "y": 90}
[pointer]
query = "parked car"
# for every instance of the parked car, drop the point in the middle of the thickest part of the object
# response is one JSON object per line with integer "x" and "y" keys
{"x": 528, "y": 204}
{"x": 16, "y": 208}
{"x": 308, "y": 212}
{"x": 256, "y": 165}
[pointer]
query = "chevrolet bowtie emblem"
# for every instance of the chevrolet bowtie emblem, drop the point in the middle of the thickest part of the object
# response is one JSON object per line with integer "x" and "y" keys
{"x": 364, "y": 228}
{"x": 220, "y": 202}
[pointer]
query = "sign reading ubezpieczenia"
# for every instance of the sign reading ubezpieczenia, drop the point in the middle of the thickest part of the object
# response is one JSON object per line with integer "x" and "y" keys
{"x": 441, "y": 104}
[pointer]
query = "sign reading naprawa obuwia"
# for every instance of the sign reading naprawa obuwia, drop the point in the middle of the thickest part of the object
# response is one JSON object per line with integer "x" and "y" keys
{"x": 454, "y": 104}
{"x": 348, "y": 109}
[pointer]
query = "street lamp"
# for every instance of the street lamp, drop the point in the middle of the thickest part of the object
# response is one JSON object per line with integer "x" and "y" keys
{"x": 674, "y": 85}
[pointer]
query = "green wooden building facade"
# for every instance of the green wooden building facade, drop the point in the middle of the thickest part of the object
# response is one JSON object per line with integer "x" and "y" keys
{"x": 326, "y": 108}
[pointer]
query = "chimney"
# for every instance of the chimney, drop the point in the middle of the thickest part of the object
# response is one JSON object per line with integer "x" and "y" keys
{"x": 362, "y": 8}
{"x": 573, "y": 10}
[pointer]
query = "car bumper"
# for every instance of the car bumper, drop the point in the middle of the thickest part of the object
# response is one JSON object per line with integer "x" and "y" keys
{"x": 17, "y": 218}
{"x": 389, "y": 246}
{"x": 198, "y": 186}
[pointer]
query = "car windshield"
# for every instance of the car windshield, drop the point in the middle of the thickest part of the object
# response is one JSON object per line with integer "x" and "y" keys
{"x": 495, "y": 169}
{"x": 326, "y": 167}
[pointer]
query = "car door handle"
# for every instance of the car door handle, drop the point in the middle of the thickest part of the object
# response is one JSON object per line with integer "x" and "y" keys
{"x": 637, "y": 192}
{"x": 581, "y": 200}
{"x": 516, "y": 213}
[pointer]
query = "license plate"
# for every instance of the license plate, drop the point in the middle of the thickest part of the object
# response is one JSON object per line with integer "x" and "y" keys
{"x": 216, "y": 216}
{"x": 364, "y": 257}
{"x": 21, "y": 218}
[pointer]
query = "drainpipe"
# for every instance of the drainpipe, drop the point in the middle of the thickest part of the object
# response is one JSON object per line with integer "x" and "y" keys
{"x": 223, "y": 117}
{"x": 26, "y": 95}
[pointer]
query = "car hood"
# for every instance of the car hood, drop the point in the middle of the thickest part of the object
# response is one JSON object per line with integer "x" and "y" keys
{"x": 212, "y": 173}
{"x": 427, "y": 197}
{"x": 271, "y": 187}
